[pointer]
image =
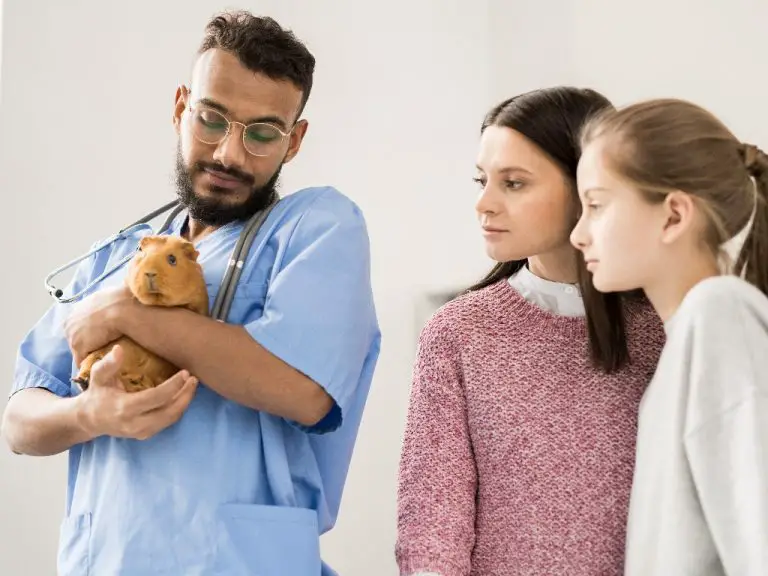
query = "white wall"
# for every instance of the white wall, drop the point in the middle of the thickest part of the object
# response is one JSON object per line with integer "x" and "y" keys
{"x": 711, "y": 52}
{"x": 87, "y": 92}
{"x": 1, "y": 38}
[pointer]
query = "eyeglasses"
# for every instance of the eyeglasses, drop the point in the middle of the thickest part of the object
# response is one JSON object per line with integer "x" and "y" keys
{"x": 211, "y": 127}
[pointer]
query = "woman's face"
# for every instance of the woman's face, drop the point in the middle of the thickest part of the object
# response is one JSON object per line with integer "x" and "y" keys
{"x": 526, "y": 206}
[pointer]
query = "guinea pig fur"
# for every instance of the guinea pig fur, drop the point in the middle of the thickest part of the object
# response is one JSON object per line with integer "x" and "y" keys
{"x": 163, "y": 272}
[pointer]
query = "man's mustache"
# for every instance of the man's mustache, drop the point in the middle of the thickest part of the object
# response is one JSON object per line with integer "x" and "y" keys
{"x": 217, "y": 167}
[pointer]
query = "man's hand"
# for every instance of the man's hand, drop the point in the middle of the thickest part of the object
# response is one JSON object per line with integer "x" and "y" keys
{"x": 93, "y": 321}
{"x": 107, "y": 409}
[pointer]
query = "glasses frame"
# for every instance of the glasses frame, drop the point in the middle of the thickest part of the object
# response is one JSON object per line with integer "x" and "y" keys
{"x": 283, "y": 135}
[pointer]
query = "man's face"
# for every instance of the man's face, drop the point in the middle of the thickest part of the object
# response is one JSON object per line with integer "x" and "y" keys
{"x": 217, "y": 178}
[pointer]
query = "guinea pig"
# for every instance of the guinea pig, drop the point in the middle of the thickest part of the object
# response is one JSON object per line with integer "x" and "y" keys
{"x": 163, "y": 272}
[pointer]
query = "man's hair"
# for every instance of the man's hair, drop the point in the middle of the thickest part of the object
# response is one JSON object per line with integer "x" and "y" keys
{"x": 263, "y": 46}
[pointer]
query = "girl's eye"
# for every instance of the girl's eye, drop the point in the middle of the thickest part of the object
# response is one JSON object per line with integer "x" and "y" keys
{"x": 479, "y": 181}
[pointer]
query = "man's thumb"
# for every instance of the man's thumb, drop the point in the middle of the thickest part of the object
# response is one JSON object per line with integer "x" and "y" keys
{"x": 107, "y": 368}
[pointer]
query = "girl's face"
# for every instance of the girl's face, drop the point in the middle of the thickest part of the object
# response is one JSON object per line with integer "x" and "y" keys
{"x": 623, "y": 237}
{"x": 526, "y": 206}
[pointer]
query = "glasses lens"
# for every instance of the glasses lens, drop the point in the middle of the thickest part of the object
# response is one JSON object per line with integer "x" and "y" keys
{"x": 209, "y": 125}
{"x": 261, "y": 139}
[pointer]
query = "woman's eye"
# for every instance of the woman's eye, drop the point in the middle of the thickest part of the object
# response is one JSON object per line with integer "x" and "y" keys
{"x": 479, "y": 181}
{"x": 514, "y": 184}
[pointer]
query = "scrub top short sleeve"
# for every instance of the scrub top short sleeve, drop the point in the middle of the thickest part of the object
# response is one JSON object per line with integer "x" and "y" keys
{"x": 319, "y": 316}
{"x": 43, "y": 359}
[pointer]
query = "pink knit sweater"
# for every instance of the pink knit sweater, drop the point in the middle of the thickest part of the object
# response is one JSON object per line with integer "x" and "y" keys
{"x": 518, "y": 455}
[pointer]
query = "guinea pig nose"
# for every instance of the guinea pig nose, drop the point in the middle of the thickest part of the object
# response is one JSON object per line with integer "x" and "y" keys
{"x": 150, "y": 274}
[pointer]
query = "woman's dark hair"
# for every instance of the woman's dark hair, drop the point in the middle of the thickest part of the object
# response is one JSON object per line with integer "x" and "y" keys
{"x": 553, "y": 119}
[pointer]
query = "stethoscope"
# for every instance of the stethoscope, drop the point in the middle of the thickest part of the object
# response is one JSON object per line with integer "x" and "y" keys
{"x": 229, "y": 281}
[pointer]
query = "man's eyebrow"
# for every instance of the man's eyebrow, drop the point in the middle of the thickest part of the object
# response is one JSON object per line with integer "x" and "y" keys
{"x": 223, "y": 109}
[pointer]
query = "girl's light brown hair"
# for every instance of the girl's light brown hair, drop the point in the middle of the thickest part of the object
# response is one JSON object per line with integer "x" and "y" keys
{"x": 665, "y": 145}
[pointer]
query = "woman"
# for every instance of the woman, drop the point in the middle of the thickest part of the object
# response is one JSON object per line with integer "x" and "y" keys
{"x": 519, "y": 444}
{"x": 664, "y": 185}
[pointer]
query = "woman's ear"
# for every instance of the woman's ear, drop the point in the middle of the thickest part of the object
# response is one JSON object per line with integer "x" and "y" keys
{"x": 679, "y": 212}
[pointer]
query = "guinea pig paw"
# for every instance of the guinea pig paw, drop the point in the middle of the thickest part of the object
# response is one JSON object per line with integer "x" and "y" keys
{"x": 82, "y": 383}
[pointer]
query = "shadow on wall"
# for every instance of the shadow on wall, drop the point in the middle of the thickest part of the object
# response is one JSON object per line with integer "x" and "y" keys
{"x": 427, "y": 305}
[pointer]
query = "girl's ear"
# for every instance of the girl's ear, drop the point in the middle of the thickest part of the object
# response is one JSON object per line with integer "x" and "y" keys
{"x": 679, "y": 216}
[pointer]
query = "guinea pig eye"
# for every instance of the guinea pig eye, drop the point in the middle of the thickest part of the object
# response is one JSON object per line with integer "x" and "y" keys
{"x": 171, "y": 259}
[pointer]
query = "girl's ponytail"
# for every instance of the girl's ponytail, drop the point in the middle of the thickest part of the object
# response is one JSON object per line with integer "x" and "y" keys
{"x": 753, "y": 257}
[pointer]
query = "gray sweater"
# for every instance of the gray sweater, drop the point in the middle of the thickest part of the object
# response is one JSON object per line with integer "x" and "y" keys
{"x": 699, "y": 503}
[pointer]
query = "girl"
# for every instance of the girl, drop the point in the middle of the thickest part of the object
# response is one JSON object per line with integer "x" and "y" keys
{"x": 663, "y": 185}
{"x": 520, "y": 437}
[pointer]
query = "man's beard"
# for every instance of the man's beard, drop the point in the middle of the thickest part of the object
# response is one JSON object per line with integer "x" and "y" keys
{"x": 210, "y": 211}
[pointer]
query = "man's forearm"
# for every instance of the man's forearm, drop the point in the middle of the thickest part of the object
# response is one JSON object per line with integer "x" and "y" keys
{"x": 36, "y": 422}
{"x": 228, "y": 360}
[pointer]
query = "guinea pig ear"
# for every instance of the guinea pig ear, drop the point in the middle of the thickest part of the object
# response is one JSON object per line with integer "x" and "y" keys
{"x": 147, "y": 240}
{"x": 190, "y": 251}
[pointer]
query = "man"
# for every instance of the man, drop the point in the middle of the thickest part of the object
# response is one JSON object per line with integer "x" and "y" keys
{"x": 240, "y": 473}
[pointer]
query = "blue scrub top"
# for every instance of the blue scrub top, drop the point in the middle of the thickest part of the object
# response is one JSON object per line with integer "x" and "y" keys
{"x": 229, "y": 490}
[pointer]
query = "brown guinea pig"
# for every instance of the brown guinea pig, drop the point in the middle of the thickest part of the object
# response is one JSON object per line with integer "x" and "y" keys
{"x": 164, "y": 272}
